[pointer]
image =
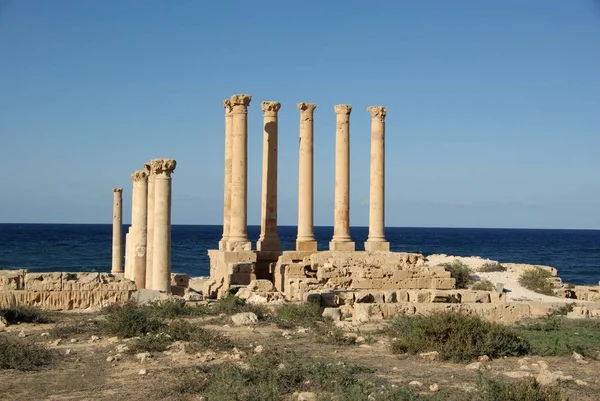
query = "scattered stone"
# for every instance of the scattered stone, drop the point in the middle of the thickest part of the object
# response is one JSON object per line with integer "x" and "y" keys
{"x": 484, "y": 358}
{"x": 518, "y": 374}
{"x": 122, "y": 348}
{"x": 45, "y": 334}
{"x": 73, "y": 340}
{"x": 94, "y": 338}
{"x": 3, "y": 322}
{"x": 364, "y": 346}
{"x": 305, "y": 396}
{"x": 543, "y": 364}
{"x": 142, "y": 356}
{"x": 301, "y": 330}
{"x": 431, "y": 356}
{"x": 113, "y": 340}
{"x": 360, "y": 339}
{"x": 244, "y": 319}
{"x": 580, "y": 382}
{"x": 22, "y": 334}
{"x": 258, "y": 349}
{"x": 474, "y": 366}
{"x": 56, "y": 342}
{"x": 577, "y": 357}
{"x": 333, "y": 313}
{"x": 68, "y": 351}
{"x": 110, "y": 359}
{"x": 415, "y": 383}
{"x": 434, "y": 387}
{"x": 142, "y": 372}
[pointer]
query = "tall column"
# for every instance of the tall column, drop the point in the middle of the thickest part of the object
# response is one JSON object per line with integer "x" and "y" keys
{"x": 341, "y": 240}
{"x": 161, "y": 264}
{"x": 269, "y": 238}
{"x": 140, "y": 210}
{"x": 117, "y": 240}
{"x": 238, "y": 228}
{"x": 376, "y": 240}
{"x": 227, "y": 183}
{"x": 150, "y": 227}
{"x": 306, "y": 236}
{"x": 128, "y": 255}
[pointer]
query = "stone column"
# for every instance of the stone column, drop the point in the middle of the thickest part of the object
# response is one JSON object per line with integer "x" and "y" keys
{"x": 341, "y": 240}
{"x": 140, "y": 210}
{"x": 161, "y": 264}
{"x": 227, "y": 183}
{"x": 376, "y": 240}
{"x": 117, "y": 240}
{"x": 269, "y": 238}
{"x": 306, "y": 236}
{"x": 238, "y": 221}
{"x": 150, "y": 227}
{"x": 128, "y": 254}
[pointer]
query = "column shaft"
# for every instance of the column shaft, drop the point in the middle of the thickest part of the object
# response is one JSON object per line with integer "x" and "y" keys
{"x": 228, "y": 166}
{"x": 341, "y": 240}
{"x": 150, "y": 232}
{"x": 140, "y": 188}
{"x": 238, "y": 235}
{"x": 269, "y": 238}
{"x": 376, "y": 240}
{"x": 117, "y": 240}
{"x": 306, "y": 237}
{"x": 161, "y": 264}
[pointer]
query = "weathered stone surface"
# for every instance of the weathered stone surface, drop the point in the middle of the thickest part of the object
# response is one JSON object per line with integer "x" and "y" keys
{"x": 43, "y": 281}
{"x": 80, "y": 281}
{"x": 333, "y": 313}
{"x": 12, "y": 279}
{"x": 63, "y": 300}
{"x": 261, "y": 286}
{"x": 525, "y": 267}
{"x": 182, "y": 280}
{"x": 244, "y": 319}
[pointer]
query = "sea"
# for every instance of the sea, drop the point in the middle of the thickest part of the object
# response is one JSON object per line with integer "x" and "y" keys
{"x": 88, "y": 247}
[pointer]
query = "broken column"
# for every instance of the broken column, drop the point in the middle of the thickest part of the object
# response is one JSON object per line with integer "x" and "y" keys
{"x": 150, "y": 226}
{"x": 376, "y": 240}
{"x": 306, "y": 238}
{"x": 117, "y": 240}
{"x": 227, "y": 183}
{"x": 139, "y": 222}
{"x": 238, "y": 222}
{"x": 341, "y": 240}
{"x": 269, "y": 238}
{"x": 161, "y": 263}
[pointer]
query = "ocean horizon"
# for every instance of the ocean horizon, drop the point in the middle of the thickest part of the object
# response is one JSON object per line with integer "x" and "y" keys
{"x": 88, "y": 247}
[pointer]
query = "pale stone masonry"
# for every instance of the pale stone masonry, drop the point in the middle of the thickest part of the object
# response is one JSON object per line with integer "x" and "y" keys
{"x": 376, "y": 240}
{"x": 139, "y": 220}
{"x": 161, "y": 263}
{"x": 269, "y": 237}
{"x": 150, "y": 227}
{"x": 341, "y": 240}
{"x": 306, "y": 238}
{"x": 128, "y": 254}
{"x": 228, "y": 165}
{"x": 238, "y": 228}
{"x": 117, "y": 234}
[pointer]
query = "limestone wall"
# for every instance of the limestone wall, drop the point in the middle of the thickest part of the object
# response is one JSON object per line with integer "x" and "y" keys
{"x": 63, "y": 291}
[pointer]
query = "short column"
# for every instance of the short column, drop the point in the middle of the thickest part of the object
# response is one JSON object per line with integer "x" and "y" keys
{"x": 238, "y": 228}
{"x": 227, "y": 183}
{"x": 376, "y": 240}
{"x": 269, "y": 238}
{"x": 341, "y": 240}
{"x": 117, "y": 240}
{"x": 150, "y": 227}
{"x": 140, "y": 210}
{"x": 306, "y": 237}
{"x": 161, "y": 264}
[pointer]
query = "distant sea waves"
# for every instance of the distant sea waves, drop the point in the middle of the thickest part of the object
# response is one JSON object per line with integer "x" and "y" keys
{"x": 82, "y": 247}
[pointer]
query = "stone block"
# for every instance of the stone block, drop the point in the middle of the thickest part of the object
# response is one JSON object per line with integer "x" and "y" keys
{"x": 389, "y": 297}
{"x": 182, "y": 280}
{"x": 341, "y": 246}
{"x": 306, "y": 246}
{"x": 80, "y": 281}
{"x": 12, "y": 279}
{"x": 483, "y": 297}
{"x": 402, "y": 296}
{"x": 330, "y": 299}
{"x": 261, "y": 286}
{"x": 197, "y": 284}
{"x": 63, "y": 300}
{"x": 43, "y": 281}
{"x": 178, "y": 290}
{"x": 443, "y": 283}
{"x": 377, "y": 246}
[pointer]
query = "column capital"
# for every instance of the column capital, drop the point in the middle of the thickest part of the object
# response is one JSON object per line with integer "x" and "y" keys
{"x": 147, "y": 168}
{"x": 139, "y": 176}
{"x": 270, "y": 107}
{"x": 119, "y": 190}
{"x": 240, "y": 100}
{"x": 342, "y": 109}
{"x": 306, "y": 107}
{"x": 227, "y": 106}
{"x": 163, "y": 166}
{"x": 377, "y": 112}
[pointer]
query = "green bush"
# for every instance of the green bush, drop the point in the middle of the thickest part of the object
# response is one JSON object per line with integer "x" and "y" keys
{"x": 170, "y": 309}
{"x": 25, "y": 314}
{"x": 484, "y": 285}
{"x": 231, "y": 304}
{"x": 537, "y": 280}
{"x": 292, "y": 315}
{"x": 131, "y": 320}
{"x": 523, "y": 390}
{"x": 460, "y": 272}
{"x": 455, "y": 336}
{"x": 75, "y": 328}
{"x": 327, "y": 333}
{"x": 17, "y": 354}
{"x": 491, "y": 267}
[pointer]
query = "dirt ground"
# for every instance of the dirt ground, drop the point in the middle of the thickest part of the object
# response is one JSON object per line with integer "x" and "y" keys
{"x": 84, "y": 370}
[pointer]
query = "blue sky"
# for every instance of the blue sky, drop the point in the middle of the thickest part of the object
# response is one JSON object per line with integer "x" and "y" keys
{"x": 493, "y": 107}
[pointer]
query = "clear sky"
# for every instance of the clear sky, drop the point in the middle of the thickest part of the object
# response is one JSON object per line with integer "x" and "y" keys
{"x": 493, "y": 106}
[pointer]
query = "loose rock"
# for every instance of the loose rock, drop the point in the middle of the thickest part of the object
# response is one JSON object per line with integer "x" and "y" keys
{"x": 244, "y": 319}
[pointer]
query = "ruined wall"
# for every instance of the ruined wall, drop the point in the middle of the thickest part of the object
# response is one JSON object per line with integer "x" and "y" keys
{"x": 63, "y": 291}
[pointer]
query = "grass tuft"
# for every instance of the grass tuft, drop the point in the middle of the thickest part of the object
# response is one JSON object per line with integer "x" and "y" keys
{"x": 523, "y": 390}
{"x": 306, "y": 314}
{"x": 25, "y": 314}
{"x": 484, "y": 285}
{"x": 131, "y": 320}
{"x": 537, "y": 280}
{"x": 455, "y": 336}
{"x": 460, "y": 272}
{"x": 19, "y": 355}
{"x": 491, "y": 267}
